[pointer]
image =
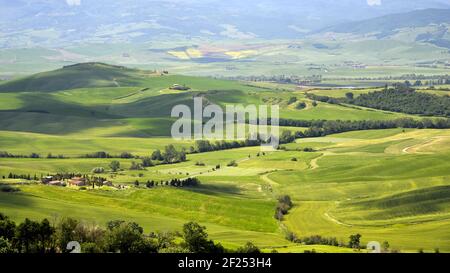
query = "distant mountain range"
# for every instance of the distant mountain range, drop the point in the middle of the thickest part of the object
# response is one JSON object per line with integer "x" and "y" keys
{"x": 390, "y": 23}
{"x": 53, "y": 23}
{"x": 429, "y": 25}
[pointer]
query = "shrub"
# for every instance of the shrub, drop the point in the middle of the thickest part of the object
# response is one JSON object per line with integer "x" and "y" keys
{"x": 126, "y": 155}
{"x": 98, "y": 170}
{"x": 292, "y": 100}
{"x": 232, "y": 164}
{"x": 7, "y": 188}
{"x": 114, "y": 165}
{"x": 6, "y": 247}
{"x": 301, "y": 106}
{"x": 283, "y": 206}
{"x": 136, "y": 166}
{"x": 249, "y": 248}
{"x": 91, "y": 248}
{"x": 147, "y": 162}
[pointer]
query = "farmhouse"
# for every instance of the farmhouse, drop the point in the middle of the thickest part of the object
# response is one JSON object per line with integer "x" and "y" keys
{"x": 107, "y": 183}
{"x": 46, "y": 179}
{"x": 56, "y": 183}
{"x": 77, "y": 181}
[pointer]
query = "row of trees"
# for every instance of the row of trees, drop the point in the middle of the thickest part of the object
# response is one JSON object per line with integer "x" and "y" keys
{"x": 401, "y": 99}
{"x": 170, "y": 155}
{"x": 353, "y": 242}
{"x": 178, "y": 183}
{"x": 285, "y": 79}
{"x": 426, "y": 79}
{"x": 318, "y": 128}
{"x": 22, "y": 176}
{"x": 203, "y": 146}
{"x": 102, "y": 154}
{"x": 118, "y": 237}
{"x": 4, "y": 154}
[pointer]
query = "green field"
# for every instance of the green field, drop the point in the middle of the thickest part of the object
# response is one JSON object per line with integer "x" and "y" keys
{"x": 388, "y": 185}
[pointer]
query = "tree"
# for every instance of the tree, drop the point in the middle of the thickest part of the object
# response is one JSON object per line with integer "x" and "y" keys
{"x": 301, "y": 105}
{"x": 147, "y": 162}
{"x": 136, "y": 166}
{"x": 156, "y": 155}
{"x": 171, "y": 155}
{"x": 125, "y": 238}
{"x": 126, "y": 155}
{"x": 45, "y": 234}
{"x": 349, "y": 96}
{"x": 27, "y": 236}
{"x": 6, "y": 246}
{"x": 196, "y": 239}
{"x": 249, "y": 248}
{"x": 285, "y": 202}
{"x": 355, "y": 241}
{"x": 283, "y": 206}
{"x": 287, "y": 137}
{"x": 114, "y": 165}
{"x": 292, "y": 100}
{"x": 202, "y": 146}
{"x": 65, "y": 233}
{"x": 386, "y": 246}
{"x": 98, "y": 170}
{"x": 114, "y": 224}
{"x": 7, "y": 227}
{"x": 232, "y": 163}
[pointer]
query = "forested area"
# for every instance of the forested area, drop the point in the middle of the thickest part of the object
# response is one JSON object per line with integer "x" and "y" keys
{"x": 401, "y": 99}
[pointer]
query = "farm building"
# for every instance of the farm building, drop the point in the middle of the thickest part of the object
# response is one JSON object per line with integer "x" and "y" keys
{"x": 77, "y": 181}
{"x": 107, "y": 183}
{"x": 46, "y": 179}
{"x": 56, "y": 183}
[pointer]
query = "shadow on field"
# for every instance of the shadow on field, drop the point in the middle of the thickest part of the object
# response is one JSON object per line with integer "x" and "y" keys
{"x": 15, "y": 199}
{"x": 217, "y": 189}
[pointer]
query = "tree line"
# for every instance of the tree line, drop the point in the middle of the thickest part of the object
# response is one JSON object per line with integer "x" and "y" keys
{"x": 401, "y": 98}
{"x": 4, "y": 154}
{"x": 117, "y": 237}
{"x": 178, "y": 183}
{"x": 319, "y": 128}
{"x": 405, "y": 100}
{"x": 203, "y": 146}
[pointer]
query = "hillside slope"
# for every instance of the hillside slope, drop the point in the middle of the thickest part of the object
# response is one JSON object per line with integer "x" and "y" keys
{"x": 86, "y": 75}
{"x": 389, "y": 23}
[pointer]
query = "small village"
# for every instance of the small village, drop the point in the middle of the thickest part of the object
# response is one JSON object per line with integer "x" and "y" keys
{"x": 76, "y": 181}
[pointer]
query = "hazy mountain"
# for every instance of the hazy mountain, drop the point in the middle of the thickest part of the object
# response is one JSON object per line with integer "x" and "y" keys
{"x": 429, "y": 25}
{"x": 63, "y": 22}
{"x": 390, "y": 23}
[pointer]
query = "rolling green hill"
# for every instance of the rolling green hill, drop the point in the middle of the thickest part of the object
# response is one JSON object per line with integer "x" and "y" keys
{"x": 57, "y": 102}
{"x": 75, "y": 76}
{"x": 384, "y": 184}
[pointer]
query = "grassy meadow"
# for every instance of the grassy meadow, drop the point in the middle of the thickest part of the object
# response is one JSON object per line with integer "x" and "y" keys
{"x": 388, "y": 185}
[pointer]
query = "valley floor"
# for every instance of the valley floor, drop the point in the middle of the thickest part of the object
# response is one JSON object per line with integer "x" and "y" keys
{"x": 388, "y": 185}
